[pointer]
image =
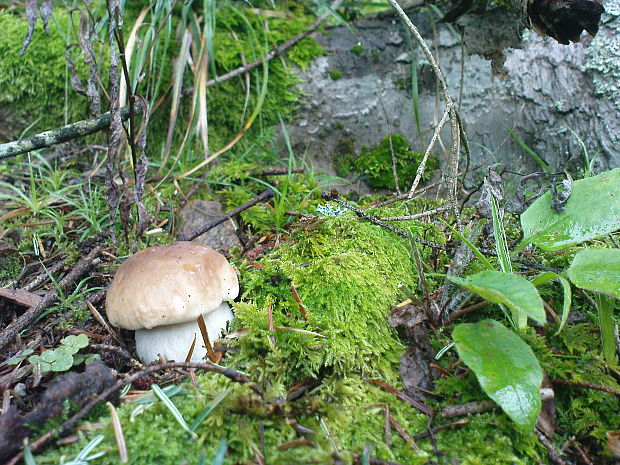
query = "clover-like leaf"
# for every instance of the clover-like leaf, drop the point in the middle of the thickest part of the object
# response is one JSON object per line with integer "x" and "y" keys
{"x": 505, "y": 366}
{"x": 19, "y": 357}
{"x": 63, "y": 362}
{"x": 79, "y": 341}
{"x": 49, "y": 356}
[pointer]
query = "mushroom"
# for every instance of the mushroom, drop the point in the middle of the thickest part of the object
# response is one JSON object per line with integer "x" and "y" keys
{"x": 161, "y": 291}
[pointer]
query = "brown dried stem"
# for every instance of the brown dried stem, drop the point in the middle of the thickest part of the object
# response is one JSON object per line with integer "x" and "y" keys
{"x": 23, "y": 321}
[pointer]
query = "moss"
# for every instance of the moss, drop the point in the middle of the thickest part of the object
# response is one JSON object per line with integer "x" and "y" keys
{"x": 335, "y": 75}
{"x": 357, "y": 49}
{"x": 344, "y": 157}
{"x": 34, "y": 85}
{"x": 11, "y": 265}
{"x": 376, "y": 164}
{"x": 576, "y": 357}
{"x": 347, "y": 274}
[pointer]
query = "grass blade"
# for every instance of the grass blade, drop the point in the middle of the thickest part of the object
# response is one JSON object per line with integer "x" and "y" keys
{"x": 173, "y": 409}
{"x": 205, "y": 413}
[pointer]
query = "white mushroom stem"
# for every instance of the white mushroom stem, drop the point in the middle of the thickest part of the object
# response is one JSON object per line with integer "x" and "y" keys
{"x": 174, "y": 341}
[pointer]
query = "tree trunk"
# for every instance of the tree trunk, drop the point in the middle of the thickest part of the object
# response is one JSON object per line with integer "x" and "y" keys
{"x": 561, "y": 101}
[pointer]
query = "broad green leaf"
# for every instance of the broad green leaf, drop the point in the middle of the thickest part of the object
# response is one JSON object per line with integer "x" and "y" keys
{"x": 597, "y": 270}
{"x": 49, "y": 356}
{"x": 506, "y": 367}
{"x": 514, "y": 291}
{"x": 592, "y": 210}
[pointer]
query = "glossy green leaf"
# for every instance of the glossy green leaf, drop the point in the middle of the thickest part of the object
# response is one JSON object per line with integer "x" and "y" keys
{"x": 514, "y": 291}
{"x": 597, "y": 270}
{"x": 592, "y": 210}
{"x": 506, "y": 367}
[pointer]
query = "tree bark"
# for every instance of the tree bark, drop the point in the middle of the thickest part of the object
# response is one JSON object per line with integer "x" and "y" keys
{"x": 561, "y": 101}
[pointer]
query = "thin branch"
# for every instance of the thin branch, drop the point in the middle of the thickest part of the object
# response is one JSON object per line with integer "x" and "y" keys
{"x": 455, "y": 127}
{"x": 266, "y": 194}
{"x": 420, "y": 170}
{"x": 284, "y": 46}
{"x": 63, "y": 134}
{"x": 598, "y": 387}
{"x": 27, "y": 318}
{"x": 416, "y": 216}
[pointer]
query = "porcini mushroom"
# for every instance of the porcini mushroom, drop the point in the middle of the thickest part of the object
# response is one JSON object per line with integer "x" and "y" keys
{"x": 161, "y": 291}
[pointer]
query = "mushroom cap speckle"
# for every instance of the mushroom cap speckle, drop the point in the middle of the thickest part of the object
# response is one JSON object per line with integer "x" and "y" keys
{"x": 168, "y": 285}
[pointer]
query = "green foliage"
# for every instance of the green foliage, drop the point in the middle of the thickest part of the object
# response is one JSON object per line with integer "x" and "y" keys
{"x": 60, "y": 359}
{"x": 33, "y": 86}
{"x": 37, "y": 83}
{"x": 344, "y": 262}
{"x": 347, "y": 274}
{"x": 344, "y": 156}
{"x": 591, "y": 211}
{"x": 357, "y": 49}
{"x": 376, "y": 164}
{"x": 511, "y": 290}
{"x": 573, "y": 355}
{"x": 335, "y": 75}
{"x": 508, "y": 372}
{"x": 11, "y": 265}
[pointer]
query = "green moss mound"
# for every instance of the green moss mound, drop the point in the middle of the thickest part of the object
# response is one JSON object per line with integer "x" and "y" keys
{"x": 39, "y": 83}
{"x": 34, "y": 85}
{"x": 347, "y": 273}
{"x": 376, "y": 164}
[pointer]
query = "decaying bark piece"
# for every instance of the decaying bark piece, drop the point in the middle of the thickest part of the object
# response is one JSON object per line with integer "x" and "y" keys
{"x": 75, "y": 387}
{"x": 565, "y": 20}
{"x": 415, "y": 371}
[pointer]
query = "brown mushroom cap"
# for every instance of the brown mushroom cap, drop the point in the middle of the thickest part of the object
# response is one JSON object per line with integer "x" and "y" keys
{"x": 168, "y": 285}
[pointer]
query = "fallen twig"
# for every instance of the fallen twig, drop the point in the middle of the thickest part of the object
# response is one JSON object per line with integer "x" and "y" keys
{"x": 279, "y": 171}
{"x": 333, "y": 197}
{"x": 402, "y": 396}
{"x": 554, "y": 454}
{"x": 417, "y": 215}
{"x": 469, "y": 408}
{"x": 266, "y": 194}
{"x": 20, "y": 297}
{"x": 460, "y": 422}
{"x": 30, "y": 315}
{"x": 63, "y": 134}
{"x": 68, "y": 426}
{"x": 598, "y": 387}
{"x": 276, "y": 50}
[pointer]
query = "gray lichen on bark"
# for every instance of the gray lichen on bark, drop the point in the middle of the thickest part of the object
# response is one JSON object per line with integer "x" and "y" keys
{"x": 603, "y": 55}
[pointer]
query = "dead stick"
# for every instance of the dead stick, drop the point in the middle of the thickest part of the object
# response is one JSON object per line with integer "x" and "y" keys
{"x": 63, "y": 134}
{"x": 598, "y": 387}
{"x": 23, "y": 321}
{"x": 69, "y": 425}
{"x": 402, "y": 396}
{"x": 460, "y": 422}
{"x": 266, "y": 194}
